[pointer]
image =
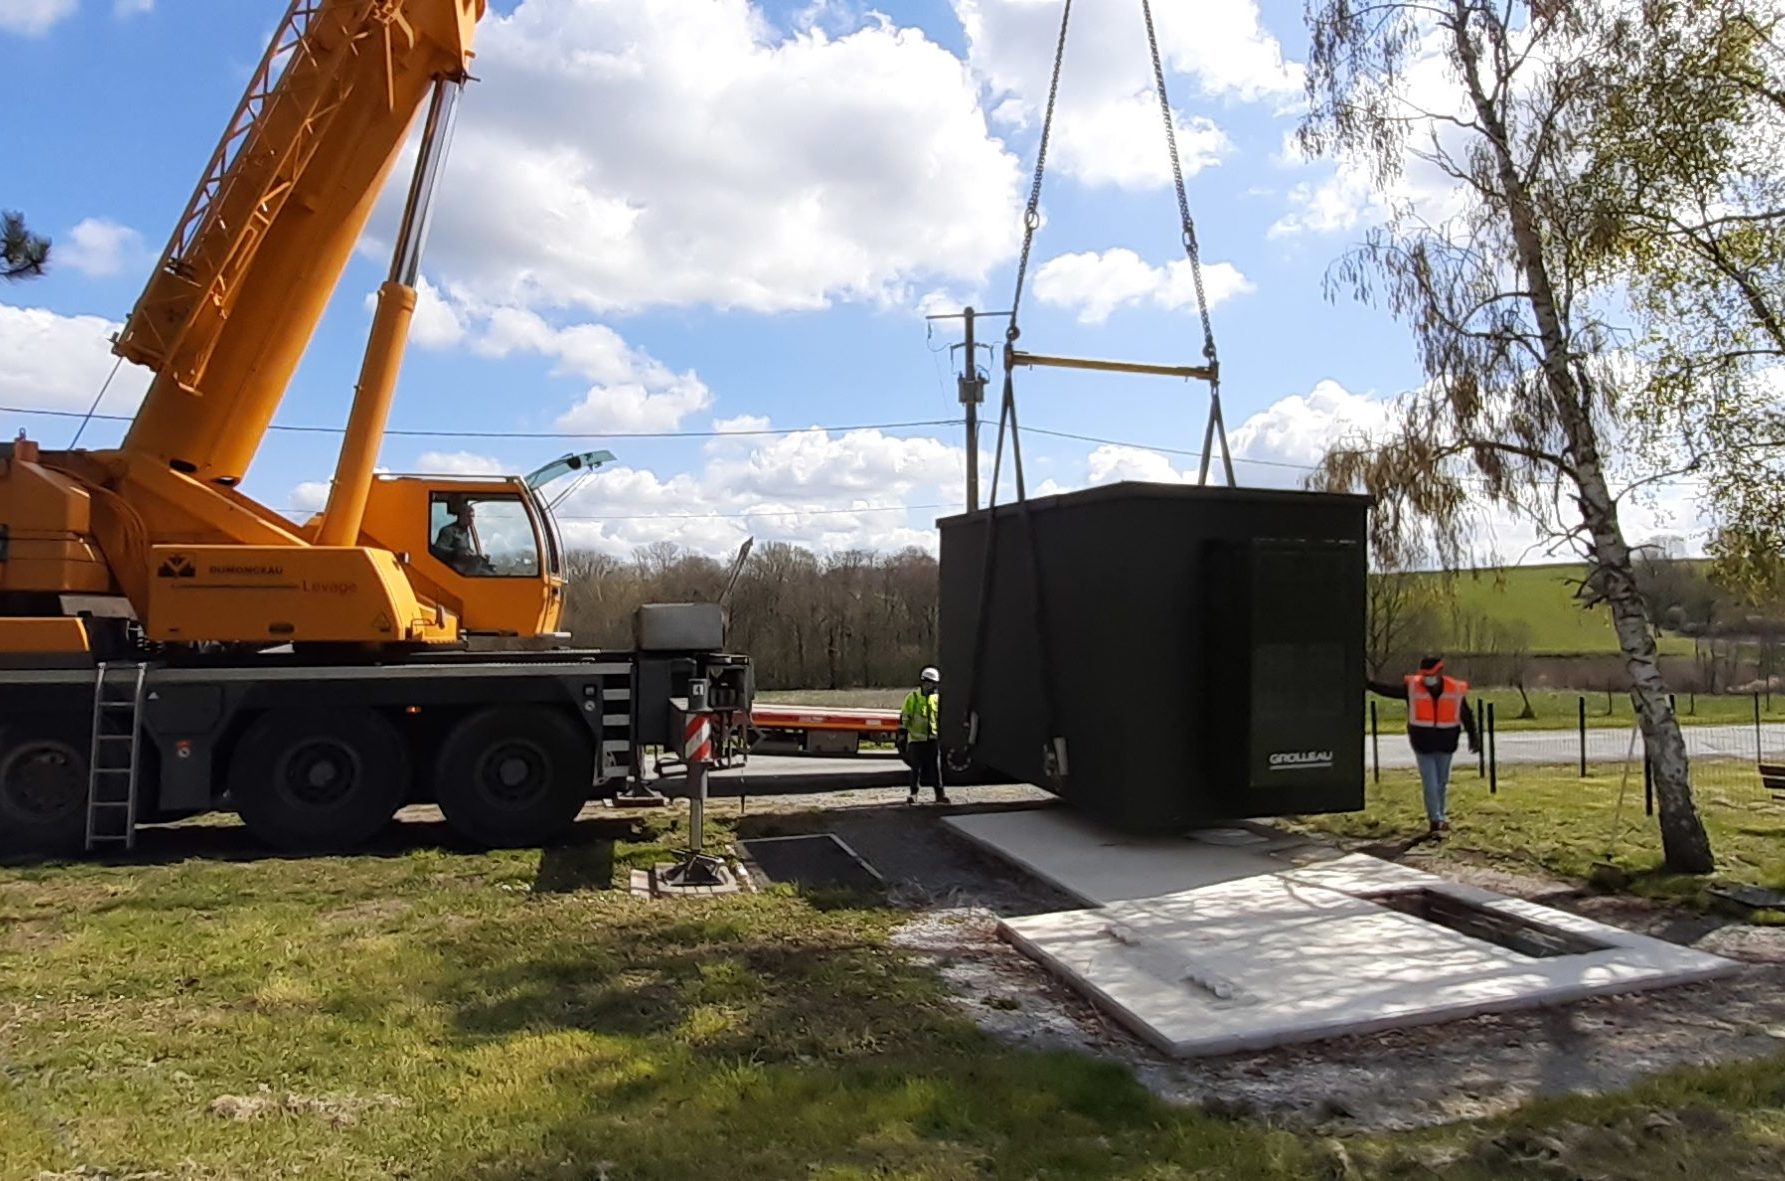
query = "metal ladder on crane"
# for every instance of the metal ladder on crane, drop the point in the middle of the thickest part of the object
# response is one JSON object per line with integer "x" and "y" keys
{"x": 114, "y": 759}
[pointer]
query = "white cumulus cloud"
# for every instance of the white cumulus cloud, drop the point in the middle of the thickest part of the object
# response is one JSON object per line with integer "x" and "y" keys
{"x": 54, "y": 362}
{"x": 459, "y": 463}
{"x": 1109, "y": 126}
{"x": 34, "y": 18}
{"x": 624, "y": 154}
{"x": 100, "y": 248}
{"x": 1098, "y": 283}
{"x": 1345, "y": 195}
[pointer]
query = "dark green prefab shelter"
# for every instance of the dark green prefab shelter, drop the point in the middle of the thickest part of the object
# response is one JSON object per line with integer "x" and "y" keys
{"x": 1204, "y": 647}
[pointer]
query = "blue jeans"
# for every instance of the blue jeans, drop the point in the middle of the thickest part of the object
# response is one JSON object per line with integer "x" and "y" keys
{"x": 1434, "y": 776}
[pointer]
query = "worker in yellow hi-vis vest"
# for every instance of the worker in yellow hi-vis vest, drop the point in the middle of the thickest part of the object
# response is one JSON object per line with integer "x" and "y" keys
{"x": 920, "y": 723}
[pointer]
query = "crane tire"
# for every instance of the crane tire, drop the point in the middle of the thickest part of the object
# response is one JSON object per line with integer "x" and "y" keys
{"x": 511, "y": 776}
{"x": 314, "y": 779}
{"x": 43, "y": 786}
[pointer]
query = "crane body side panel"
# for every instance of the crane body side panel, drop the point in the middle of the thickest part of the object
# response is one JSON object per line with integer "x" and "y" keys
{"x": 286, "y": 594}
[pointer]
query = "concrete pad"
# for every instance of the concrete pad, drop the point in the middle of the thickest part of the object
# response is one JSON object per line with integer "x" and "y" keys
{"x": 1302, "y": 954}
{"x": 1097, "y": 865}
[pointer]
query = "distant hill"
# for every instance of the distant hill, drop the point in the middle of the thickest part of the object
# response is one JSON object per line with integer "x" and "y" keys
{"x": 1544, "y": 598}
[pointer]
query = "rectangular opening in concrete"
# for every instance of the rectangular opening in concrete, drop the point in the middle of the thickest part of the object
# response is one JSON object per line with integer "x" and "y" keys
{"x": 814, "y": 860}
{"x": 1511, "y": 931}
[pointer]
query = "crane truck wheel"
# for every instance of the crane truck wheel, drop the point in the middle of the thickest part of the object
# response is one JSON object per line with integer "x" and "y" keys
{"x": 305, "y": 779}
{"x": 511, "y": 776}
{"x": 43, "y": 788}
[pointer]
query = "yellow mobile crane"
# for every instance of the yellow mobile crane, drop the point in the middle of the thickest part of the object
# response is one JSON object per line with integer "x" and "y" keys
{"x": 168, "y": 645}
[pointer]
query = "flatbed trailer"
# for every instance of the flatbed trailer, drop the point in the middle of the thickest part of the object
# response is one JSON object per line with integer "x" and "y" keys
{"x": 820, "y": 729}
{"x": 321, "y": 753}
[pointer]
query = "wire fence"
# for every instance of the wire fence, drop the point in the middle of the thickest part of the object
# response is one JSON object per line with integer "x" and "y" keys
{"x": 1735, "y": 743}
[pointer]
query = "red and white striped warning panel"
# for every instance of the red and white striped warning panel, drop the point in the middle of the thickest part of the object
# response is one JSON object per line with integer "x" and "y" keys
{"x": 697, "y": 740}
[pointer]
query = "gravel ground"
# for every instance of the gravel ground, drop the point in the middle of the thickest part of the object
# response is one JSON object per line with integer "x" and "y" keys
{"x": 1417, "y": 1077}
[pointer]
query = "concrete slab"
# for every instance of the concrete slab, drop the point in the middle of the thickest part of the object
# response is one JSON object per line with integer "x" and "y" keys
{"x": 1098, "y": 866}
{"x": 1303, "y": 954}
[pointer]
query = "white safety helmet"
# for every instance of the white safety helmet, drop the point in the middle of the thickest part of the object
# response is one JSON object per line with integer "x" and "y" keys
{"x": 930, "y": 674}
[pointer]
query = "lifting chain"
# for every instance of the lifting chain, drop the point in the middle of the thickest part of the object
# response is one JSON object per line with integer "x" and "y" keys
{"x": 1217, "y": 429}
{"x": 1032, "y": 214}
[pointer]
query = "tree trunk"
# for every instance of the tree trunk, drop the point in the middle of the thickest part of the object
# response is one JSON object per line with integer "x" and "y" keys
{"x": 1684, "y": 843}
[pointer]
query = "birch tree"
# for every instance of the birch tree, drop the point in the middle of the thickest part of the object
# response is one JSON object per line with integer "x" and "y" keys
{"x": 1687, "y": 181}
{"x": 1526, "y": 384}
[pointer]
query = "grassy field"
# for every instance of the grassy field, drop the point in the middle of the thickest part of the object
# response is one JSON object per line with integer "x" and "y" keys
{"x": 1556, "y": 821}
{"x": 433, "y": 1014}
{"x": 1543, "y": 597}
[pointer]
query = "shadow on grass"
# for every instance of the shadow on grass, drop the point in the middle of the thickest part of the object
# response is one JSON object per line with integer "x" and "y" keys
{"x": 583, "y": 865}
{"x": 232, "y": 842}
{"x": 771, "y": 1039}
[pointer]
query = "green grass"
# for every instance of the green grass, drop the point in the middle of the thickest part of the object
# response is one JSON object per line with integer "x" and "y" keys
{"x": 431, "y": 1014}
{"x": 1553, "y": 820}
{"x": 1543, "y": 597}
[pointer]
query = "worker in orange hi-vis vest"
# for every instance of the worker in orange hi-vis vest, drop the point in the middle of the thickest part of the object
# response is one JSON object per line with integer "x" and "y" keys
{"x": 919, "y": 737}
{"x": 1437, "y": 712}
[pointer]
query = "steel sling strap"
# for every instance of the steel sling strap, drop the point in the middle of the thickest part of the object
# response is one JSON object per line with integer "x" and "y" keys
{"x": 1217, "y": 427}
{"x": 1054, "y": 752}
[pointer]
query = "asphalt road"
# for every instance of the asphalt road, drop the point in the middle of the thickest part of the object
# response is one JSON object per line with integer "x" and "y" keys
{"x": 1735, "y": 741}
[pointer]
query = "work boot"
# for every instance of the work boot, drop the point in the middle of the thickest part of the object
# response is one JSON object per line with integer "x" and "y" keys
{"x": 941, "y": 798}
{"x": 911, "y": 800}
{"x": 1444, "y": 826}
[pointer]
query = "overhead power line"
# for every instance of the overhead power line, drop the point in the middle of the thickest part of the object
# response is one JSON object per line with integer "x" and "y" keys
{"x": 1036, "y": 430}
{"x": 434, "y": 433}
{"x": 750, "y": 514}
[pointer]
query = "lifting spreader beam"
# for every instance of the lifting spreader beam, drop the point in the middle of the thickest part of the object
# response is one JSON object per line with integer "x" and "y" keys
{"x": 1193, "y": 372}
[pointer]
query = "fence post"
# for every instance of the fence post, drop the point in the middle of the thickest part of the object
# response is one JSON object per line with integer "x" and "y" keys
{"x": 1375, "y": 746}
{"x": 1757, "y": 726}
{"x": 1583, "y": 736}
{"x": 1481, "y": 747}
{"x": 1493, "y": 746}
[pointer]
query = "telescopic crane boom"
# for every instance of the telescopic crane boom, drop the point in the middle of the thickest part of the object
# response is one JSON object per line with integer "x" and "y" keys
{"x": 223, "y": 322}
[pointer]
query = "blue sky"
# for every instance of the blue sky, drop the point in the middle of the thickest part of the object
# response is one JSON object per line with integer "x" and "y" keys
{"x": 671, "y": 214}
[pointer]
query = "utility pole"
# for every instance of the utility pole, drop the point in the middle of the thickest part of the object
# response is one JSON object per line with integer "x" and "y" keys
{"x": 972, "y": 394}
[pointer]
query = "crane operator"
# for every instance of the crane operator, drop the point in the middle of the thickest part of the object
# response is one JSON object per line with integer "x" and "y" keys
{"x": 456, "y": 543}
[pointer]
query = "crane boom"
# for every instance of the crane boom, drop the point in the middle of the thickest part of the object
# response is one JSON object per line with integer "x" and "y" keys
{"x": 253, "y": 261}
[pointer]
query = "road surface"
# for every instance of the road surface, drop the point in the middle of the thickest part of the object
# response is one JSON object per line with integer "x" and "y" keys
{"x": 1734, "y": 741}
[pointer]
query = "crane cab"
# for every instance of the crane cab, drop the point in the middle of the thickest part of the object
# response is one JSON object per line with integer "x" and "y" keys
{"x": 484, "y": 548}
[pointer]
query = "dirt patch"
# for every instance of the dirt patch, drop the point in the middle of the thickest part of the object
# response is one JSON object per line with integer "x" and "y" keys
{"x": 339, "y": 1111}
{"x": 1417, "y": 1077}
{"x": 31, "y": 935}
{"x": 371, "y": 912}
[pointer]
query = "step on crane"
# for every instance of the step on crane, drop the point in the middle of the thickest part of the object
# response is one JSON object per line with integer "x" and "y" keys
{"x": 312, "y": 677}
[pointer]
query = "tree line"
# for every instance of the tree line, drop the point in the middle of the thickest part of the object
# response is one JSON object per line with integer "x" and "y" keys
{"x": 844, "y": 620}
